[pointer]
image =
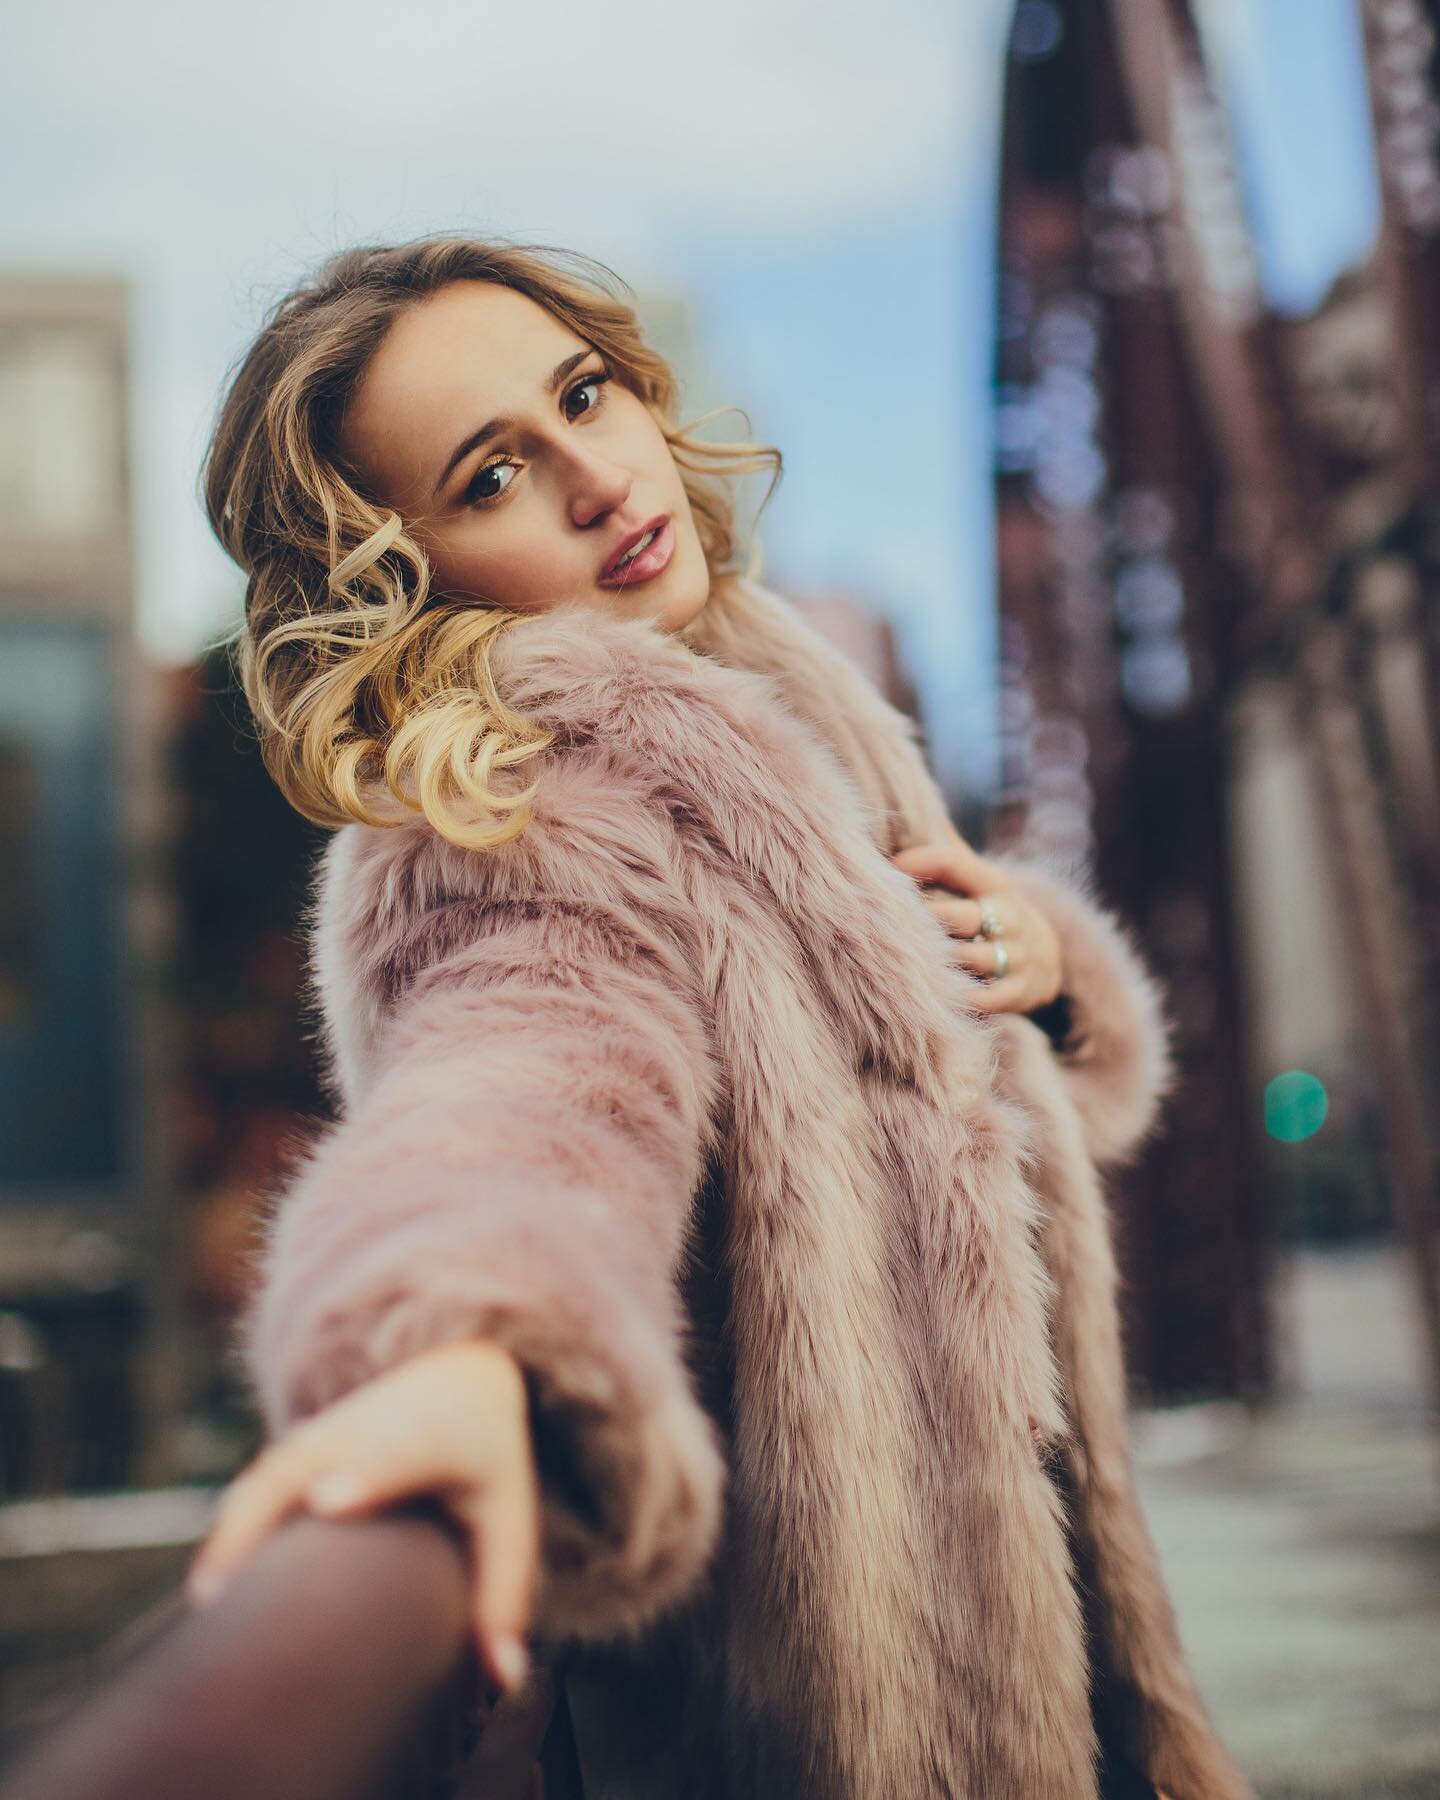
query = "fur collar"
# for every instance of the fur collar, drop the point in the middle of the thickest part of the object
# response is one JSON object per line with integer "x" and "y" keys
{"x": 774, "y": 747}
{"x": 749, "y": 644}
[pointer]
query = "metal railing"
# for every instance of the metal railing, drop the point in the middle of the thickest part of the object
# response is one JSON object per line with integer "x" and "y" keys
{"x": 336, "y": 1666}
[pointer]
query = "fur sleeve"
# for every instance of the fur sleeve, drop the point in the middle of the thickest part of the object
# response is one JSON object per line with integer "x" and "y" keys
{"x": 1117, "y": 1058}
{"x": 519, "y": 1168}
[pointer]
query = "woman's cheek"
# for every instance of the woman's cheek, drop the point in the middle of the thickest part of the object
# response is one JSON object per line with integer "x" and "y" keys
{"x": 458, "y": 568}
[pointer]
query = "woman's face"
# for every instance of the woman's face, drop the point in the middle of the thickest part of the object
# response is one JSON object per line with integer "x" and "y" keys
{"x": 522, "y": 468}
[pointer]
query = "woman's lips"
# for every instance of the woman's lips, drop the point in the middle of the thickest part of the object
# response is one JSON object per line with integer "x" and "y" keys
{"x": 654, "y": 558}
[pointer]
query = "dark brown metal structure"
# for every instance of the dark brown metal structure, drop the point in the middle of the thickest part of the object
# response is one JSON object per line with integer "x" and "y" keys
{"x": 1188, "y": 520}
{"x": 1116, "y": 653}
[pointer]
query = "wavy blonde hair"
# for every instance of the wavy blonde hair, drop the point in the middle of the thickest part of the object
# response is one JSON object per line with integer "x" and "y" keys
{"x": 367, "y": 689}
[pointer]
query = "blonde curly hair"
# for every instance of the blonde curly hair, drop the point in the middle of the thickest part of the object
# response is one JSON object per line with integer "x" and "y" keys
{"x": 366, "y": 688}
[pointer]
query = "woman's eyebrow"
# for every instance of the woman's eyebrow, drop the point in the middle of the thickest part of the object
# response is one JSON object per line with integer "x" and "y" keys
{"x": 493, "y": 427}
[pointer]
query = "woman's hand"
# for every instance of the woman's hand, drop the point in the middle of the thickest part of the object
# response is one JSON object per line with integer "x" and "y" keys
{"x": 1034, "y": 976}
{"x": 451, "y": 1422}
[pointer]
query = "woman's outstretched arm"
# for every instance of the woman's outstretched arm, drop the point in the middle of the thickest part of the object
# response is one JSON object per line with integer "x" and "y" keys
{"x": 519, "y": 1171}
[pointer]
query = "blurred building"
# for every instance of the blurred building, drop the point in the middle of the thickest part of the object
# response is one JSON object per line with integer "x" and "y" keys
{"x": 244, "y": 1090}
{"x": 866, "y": 637}
{"x": 87, "y": 1307}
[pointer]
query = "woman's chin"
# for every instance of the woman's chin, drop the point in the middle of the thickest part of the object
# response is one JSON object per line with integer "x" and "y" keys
{"x": 672, "y": 611}
{"x": 684, "y": 613}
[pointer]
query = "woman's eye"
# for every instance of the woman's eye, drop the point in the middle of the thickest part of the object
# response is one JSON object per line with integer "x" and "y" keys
{"x": 487, "y": 484}
{"x": 591, "y": 382}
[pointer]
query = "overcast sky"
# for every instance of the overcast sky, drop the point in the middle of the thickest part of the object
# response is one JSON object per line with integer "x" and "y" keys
{"x": 1293, "y": 74}
{"x": 811, "y": 175}
{"x": 814, "y": 176}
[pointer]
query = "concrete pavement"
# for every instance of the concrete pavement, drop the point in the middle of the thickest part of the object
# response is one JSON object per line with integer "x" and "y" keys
{"x": 1303, "y": 1547}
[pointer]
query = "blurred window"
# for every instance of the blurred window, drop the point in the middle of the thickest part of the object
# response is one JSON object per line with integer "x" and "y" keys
{"x": 1291, "y": 76}
{"x": 59, "y": 938}
{"x": 61, "y": 455}
{"x": 19, "y": 885}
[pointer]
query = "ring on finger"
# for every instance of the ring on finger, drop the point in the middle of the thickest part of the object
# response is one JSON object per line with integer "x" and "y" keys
{"x": 991, "y": 924}
{"x": 1002, "y": 960}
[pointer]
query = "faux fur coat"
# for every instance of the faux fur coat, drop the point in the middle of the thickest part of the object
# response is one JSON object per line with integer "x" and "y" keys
{"x": 678, "y": 1096}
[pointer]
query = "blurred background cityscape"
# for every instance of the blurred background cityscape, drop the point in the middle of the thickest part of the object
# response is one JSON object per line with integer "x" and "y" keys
{"x": 1102, "y": 339}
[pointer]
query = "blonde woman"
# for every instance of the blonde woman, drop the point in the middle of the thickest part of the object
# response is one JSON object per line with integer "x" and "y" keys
{"x": 704, "y": 1221}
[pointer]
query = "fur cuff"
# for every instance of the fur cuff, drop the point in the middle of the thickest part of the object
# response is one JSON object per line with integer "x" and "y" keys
{"x": 631, "y": 1474}
{"x": 1117, "y": 1058}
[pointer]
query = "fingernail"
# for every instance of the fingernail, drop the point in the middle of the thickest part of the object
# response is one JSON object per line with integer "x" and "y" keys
{"x": 204, "y": 1587}
{"x": 511, "y": 1661}
{"x": 334, "y": 1491}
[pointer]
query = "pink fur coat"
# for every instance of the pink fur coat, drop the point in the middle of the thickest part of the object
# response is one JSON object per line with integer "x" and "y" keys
{"x": 678, "y": 1096}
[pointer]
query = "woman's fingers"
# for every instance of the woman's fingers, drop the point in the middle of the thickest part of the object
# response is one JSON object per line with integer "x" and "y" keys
{"x": 503, "y": 1520}
{"x": 1022, "y": 965}
{"x": 250, "y": 1508}
{"x": 980, "y": 954}
{"x": 950, "y": 872}
{"x": 956, "y": 865}
{"x": 961, "y": 918}
{"x": 1009, "y": 994}
{"x": 358, "y": 1455}
{"x": 968, "y": 949}
{"x": 395, "y": 1437}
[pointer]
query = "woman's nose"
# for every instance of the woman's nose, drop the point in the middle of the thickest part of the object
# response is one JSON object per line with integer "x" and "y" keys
{"x": 598, "y": 487}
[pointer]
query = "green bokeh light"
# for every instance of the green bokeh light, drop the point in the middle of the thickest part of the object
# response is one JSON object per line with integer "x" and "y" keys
{"x": 1295, "y": 1106}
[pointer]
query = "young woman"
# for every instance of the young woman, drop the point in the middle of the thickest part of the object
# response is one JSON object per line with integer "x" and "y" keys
{"x": 705, "y": 1222}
